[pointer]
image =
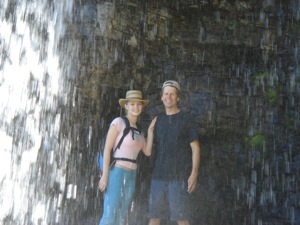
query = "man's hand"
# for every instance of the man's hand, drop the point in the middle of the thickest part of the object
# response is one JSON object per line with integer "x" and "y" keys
{"x": 192, "y": 182}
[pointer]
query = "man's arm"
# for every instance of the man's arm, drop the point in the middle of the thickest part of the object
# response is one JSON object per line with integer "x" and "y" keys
{"x": 193, "y": 179}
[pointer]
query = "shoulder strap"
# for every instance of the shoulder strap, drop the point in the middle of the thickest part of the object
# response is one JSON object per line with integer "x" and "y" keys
{"x": 125, "y": 131}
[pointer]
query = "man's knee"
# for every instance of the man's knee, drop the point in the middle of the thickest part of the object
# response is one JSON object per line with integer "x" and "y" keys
{"x": 154, "y": 221}
{"x": 183, "y": 222}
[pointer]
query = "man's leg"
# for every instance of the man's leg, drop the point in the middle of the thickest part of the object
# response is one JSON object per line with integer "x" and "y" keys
{"x": 183, "y": 222}
{"x": 180, "y": 202}
{"x": 157, "y": 202}
{"x": 154, "y": 221}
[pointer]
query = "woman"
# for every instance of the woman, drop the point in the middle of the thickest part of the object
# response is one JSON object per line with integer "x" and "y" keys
{"x": 118, "y": 181}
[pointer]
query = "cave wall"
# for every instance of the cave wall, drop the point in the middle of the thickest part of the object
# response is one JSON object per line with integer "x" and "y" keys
{"x": 237, "y": 63}
{"x": 238, "y": 66}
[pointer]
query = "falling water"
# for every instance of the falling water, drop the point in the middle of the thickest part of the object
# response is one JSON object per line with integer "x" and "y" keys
{"x": 64, "y": 65}
{"x": 33, "y": 91}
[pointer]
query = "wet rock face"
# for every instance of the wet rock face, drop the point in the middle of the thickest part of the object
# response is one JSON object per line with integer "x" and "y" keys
{"x": 237, "y": 64}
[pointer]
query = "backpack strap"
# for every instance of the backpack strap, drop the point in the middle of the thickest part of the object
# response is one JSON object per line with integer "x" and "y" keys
{"x": 125, "y": 132}
{"x": 127, "y": 129}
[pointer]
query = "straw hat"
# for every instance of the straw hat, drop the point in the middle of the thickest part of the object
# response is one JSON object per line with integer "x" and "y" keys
{"x": 171, "y": 83}
{"x": 133, "y": 95}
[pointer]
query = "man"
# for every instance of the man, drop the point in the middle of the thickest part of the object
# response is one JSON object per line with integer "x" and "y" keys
{"x": 177, "y": 159}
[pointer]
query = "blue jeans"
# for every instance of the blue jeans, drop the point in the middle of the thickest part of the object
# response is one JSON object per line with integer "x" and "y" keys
{"x": 118, "y": 196}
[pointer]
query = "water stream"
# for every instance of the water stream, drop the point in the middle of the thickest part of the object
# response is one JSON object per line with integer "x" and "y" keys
{"x": 34, "y": 90}
{"x": 65, "y": 64}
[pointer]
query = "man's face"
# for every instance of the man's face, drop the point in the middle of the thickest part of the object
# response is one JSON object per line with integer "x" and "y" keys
{"x": 170, "y": 97}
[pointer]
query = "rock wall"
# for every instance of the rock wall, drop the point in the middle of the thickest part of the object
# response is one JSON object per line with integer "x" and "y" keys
{"x": 237, "y": 63}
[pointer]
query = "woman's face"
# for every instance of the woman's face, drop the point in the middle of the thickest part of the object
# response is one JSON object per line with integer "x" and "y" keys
{"x": 134, "y": 107}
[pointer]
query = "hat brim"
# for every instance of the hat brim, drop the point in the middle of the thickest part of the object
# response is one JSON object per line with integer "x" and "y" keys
{"x": 123, "y": 101}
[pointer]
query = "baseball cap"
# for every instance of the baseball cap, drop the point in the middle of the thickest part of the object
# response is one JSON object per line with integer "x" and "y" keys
{"x": 171, "y": 83}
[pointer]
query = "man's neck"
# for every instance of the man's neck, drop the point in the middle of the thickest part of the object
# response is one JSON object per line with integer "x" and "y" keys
{"x": 172, "y": 111}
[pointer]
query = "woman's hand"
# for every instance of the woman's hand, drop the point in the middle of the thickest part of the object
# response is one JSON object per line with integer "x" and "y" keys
{"x": 147, "y": 149}
{"x": 152, "y": 124}
{"x": 102, "y": 183}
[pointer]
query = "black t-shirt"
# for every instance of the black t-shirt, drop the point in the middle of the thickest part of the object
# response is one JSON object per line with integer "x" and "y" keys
{"x": 173, "y": 155}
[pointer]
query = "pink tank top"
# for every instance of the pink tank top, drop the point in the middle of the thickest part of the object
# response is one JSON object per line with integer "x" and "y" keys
{"x": 129, "y": 148}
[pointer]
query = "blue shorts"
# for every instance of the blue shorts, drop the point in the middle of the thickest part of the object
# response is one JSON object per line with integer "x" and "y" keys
{"x": 170, "y": 199}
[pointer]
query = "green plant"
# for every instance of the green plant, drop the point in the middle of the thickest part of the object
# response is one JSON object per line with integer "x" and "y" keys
{"x": 233, "y": 26}
{"x": 272, "y": 95}
{"x": 256, "y": 140}
{"x": 259, "y": 77}
{"x": 291, "y": 122}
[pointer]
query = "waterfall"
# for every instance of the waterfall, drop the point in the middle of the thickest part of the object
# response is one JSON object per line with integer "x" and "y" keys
{"x": 65, "y": 64}
{"x": 34, "y": 87}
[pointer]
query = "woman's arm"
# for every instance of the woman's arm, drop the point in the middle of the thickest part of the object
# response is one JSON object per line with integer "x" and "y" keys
{"x": 109, "y": 143}
{"x": 147, "y": 149}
